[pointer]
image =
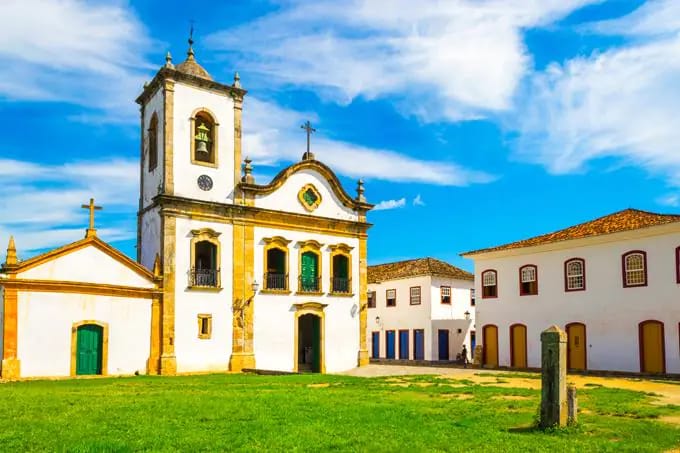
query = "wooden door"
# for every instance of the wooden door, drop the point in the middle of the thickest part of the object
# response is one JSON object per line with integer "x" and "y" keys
{"x": 652, "y": 354}
{"x": 403, "y": 345}
{"x": 375, "y": 344}
{"x": 576, "y": 346}
{"x": 490, "y": 343}
{"x": 316, "y": 344}
{"x": 89, "y": 349}
{"x": 389, "y": 340}
{"x": 309, "y": 272}
{"x": 443, "y": 337}
{"x": 419, "y": 344}
{"x": 518, "y": 346}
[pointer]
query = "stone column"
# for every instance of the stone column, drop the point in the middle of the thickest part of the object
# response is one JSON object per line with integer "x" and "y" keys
{"x": 554, "y": 377}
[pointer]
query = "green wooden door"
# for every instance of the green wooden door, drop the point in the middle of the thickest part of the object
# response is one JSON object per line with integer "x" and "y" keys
{"x": 310, "y": 271}
{"x": 89, "y": 350}
{"x": 316, "y": 344}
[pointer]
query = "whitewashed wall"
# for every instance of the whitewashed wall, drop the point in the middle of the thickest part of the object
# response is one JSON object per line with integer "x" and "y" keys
{"x": 194, "y": 354}
{"x": 46, "y": 320}
{"x": 151, "y": 237}
{"x": 452, "y": 317}
{"x": 275, "y": 314}
{"x": 611, "y": 313}
{"x": 286, "y": 197}
{"x": 186, "y": 100}
{"x": 153, "y": 179}
{"x": 87, "y": 265}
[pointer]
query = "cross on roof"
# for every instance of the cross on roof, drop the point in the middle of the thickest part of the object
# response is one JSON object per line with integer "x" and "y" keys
{"x": 91, "y": 231}
{"x": 309, "y": 129}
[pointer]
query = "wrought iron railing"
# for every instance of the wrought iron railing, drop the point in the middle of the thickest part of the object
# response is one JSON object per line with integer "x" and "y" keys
{"x": 204, "y": 277}
{"x": 275, "y": 281}
{"x": 309, "y": 284}
{"x": 341, "y": 284}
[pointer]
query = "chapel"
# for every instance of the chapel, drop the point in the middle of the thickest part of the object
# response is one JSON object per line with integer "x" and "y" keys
{"x": 231, "y": 274}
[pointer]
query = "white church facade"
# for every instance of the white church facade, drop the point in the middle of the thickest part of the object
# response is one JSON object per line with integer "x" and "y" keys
{"x": 230, "y": 274}
{"x": 613, "y": 284}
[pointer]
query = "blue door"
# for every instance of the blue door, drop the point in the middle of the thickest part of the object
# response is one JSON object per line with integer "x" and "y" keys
{"x": 389, "y": 339}
{"x": 403, "y": 344}
{"x": 375, "y": 344}
{"x": 443, "y": 344}
{"x": 473, "y": 343}
{"x": 419, "y": 344}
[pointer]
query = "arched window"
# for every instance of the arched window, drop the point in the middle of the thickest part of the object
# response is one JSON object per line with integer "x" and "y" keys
{"x": 341, "y": 269}
{"x": 276, "y": 264}
{"x": 153, "y": 142}
{"x": 489, "y": 284}
{"x": 635, "y": 268}
{"x": 528, "y": 280}
{"x": 205, "y": 259}
{"x": 575, "y": 274}
{"x": 310, "y": 267}
{"x": 204, "y": 138}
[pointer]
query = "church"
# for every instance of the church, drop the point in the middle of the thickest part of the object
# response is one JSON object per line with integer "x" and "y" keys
{"x": 230, "y": 274}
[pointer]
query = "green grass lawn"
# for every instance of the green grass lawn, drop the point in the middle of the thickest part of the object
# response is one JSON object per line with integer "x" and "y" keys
{"x": 314, "y": 412}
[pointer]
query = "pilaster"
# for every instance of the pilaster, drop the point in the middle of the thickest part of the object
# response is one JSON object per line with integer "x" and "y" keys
{"x": 242, "y": 354}
{"x": 363, "y": 301}
{"x": 11, "y": 366}
{"x": 168, "y": 362}
{"x": 168, "y": 136}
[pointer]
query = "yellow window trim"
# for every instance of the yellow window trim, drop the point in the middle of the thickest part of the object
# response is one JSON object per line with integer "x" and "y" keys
{"x": 317, "y": 309}
{"x": 192, "y": 141}
{"x": 314, "y": 247}
{"x": 281, "y": 243}
{"x": 209, "y": 235}
{"x": 201, "y": 335}
{"x": 341, "y": 250}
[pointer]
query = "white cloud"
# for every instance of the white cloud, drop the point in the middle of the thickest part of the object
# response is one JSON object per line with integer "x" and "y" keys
{"x": 671, "y": 199}
{"x": 272, "y": 134}
{"x": 72, "y": 51}
{"x": 438, "y": 60}
{"x": 418, "y": 201}
{"x": 618, "y": 104}
{"x": 41, "y": 203}
{"x": 390, "y": 204}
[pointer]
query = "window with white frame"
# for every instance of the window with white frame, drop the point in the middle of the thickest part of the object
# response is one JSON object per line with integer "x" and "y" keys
{"x": 445, "y": 294}
{"x": 415, "y": 295}
{"x": 575, "y": 274}
{"x": 489, "y": 284}
{"x": 634, "y": 266}
{"x": 528, "y": 280}
{"x": 391, "y": 297}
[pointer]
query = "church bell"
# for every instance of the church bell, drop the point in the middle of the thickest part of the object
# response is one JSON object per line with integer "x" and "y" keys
{"x": 202, "y": 139}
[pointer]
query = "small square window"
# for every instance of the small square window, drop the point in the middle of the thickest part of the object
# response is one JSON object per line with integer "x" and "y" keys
{"x": 445, "y": 292}
{"x": 371, "y": 299}
{"x": 472, "y": 297}
{"x": 415, "y": 295}
{"x": 204, "y": 326}
{"x": 391, "y": 296}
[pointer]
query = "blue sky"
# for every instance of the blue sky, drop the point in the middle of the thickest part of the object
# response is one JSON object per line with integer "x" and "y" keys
{"x": 474, "y": 123}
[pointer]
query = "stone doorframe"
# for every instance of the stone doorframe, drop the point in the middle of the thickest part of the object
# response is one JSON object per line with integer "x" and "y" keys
{"x": 316, "y": 309}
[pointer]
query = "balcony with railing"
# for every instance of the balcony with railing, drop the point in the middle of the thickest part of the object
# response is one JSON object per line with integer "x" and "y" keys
{"x": 341, "y": 285}
{"x": 204, "y": 278}
{"x": 309, "y": 285}
{"x": 275, "y": 282}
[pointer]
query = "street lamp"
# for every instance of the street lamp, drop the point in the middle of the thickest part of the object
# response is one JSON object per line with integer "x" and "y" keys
{"x": 467, "y": 315}
{"x": 255, "y": 286}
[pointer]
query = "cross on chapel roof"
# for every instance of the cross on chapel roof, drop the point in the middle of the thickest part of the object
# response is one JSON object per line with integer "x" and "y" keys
{"x": 91, "y": 231}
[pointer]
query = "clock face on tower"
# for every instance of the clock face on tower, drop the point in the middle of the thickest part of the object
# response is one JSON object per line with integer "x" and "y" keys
{"x": 205, "y": 182}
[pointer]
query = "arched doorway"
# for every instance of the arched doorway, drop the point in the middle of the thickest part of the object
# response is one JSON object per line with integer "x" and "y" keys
{"x": 518, "y": 346}
{"x": 576, "y": 346}
{"x": 89, "y": 348}
{"x": 652, "y": 348}
{"x": 490, "y": 342}
{"x": 309, "y": 345}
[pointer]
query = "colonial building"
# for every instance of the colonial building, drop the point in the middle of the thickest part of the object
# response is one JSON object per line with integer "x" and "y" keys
{"x": 612, "y": 283}
{"x": 422, "y": 309}
{"x": 247, "y": 275}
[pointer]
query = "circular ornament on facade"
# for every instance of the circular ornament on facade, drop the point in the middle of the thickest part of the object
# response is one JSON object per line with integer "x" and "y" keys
{"x": 309, "y": 197}
{"x": 205, "y": 182}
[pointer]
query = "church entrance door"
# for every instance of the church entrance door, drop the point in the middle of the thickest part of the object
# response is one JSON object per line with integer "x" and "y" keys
{"x": 309, "y": 343}
{"x": 89, "y": 349}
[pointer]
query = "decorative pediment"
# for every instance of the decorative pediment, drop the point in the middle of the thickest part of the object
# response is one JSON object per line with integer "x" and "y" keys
{"x": 277, "y": 240}
{"x": 206, "y": 233}
{"x": 309, "y": 197}
{"x": 310, "y": 244}
{"x": 342, "y": 247}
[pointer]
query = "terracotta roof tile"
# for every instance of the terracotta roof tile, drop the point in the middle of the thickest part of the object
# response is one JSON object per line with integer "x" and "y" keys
{"x": 414, "y": 268}
{"x": 626, "y": 220}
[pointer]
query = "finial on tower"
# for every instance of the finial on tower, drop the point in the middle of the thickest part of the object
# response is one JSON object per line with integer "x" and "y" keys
{"x": 168, "y": 61}
{"x": 190, "y": 52}
{"x": 248, "y": 177}
{"x": 237, "y": 81}
{"x": 360, "y": 191}
{"x": 11, "y": 253}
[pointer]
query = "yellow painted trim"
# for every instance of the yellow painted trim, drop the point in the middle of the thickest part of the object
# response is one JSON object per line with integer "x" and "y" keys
{"x": 169, "y": 248}
{"x": 97, "y": 289}
{"x": 314, "y": 247}
{"x": 105, "y": 345}
{"x": 192, "y": 130}
{"x": 301, "y": 198}
{"x": 11, "y": 366}
{"x": 316, "y": 309}
{"x": 238, "y": 109}
{"x": 206, "y": 235}
{"x": 201, "y": 335}
{"x": 168, "y": 134}
{"x": 153, "y": 364}
{"x": 242, "y": 355}
{"x": 280, "y": 243}
{"x": 363, "y": 359}
{"x": 341, "y": 250}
